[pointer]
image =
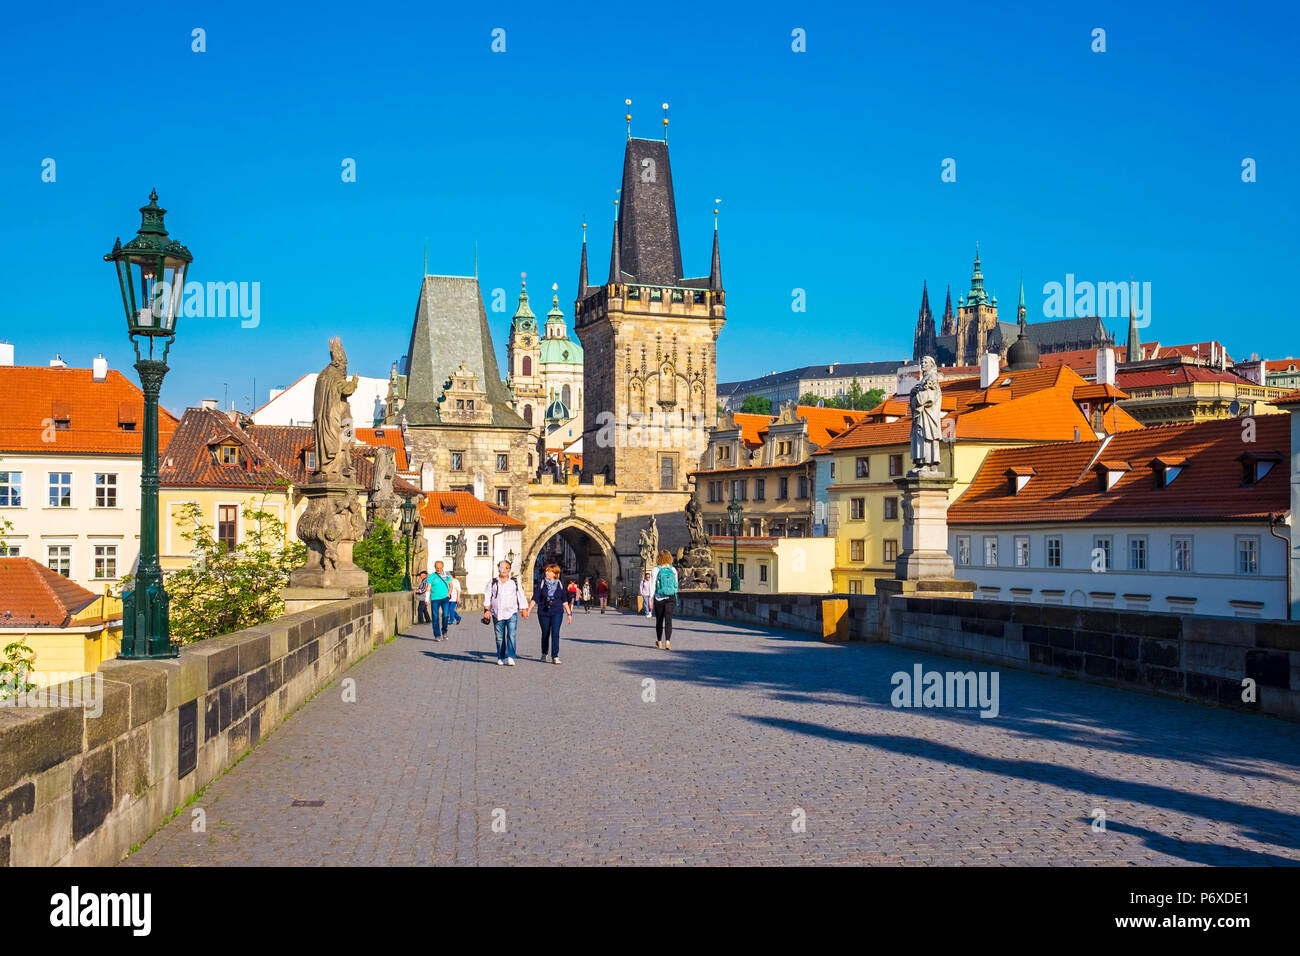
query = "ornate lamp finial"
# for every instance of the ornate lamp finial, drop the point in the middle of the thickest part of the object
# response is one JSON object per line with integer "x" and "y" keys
{"x": 665, "y": 122}
{"x": 628, "y": 117}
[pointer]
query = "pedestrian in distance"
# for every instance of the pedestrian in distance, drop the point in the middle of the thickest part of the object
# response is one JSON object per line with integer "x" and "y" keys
{"x": 422, "y": 597}
{"x": 602, "y": 592}
{"x": 586, "y": 596}
{"x": 665, "y": 600}
{"x": 439, "y": 589}
{"x": 575, "y": 596}
{"x": 552, "y": 608}
{"x": 648, "y": 594}
{"x": 453, "y": 598}
{"x": 503, "y": 602}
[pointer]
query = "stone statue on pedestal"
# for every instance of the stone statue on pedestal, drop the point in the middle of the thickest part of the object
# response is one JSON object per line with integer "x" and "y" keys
{"x": 695, "y": 570}
{"x": 384, "y": 502}
{"x": 458, "y": 557}
{"x": 925, "y": 402}
{"x": 332, "y": 417}
{"x": 419, "y": 550}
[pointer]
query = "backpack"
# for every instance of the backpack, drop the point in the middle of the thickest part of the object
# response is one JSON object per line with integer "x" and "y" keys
{"x": 666, "y": 582}
{"x": 519, "y": 594}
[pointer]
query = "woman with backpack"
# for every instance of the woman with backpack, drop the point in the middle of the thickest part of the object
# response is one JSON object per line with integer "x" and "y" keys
{"x": 665, "y": 600}
{"x": 586, "y": 596}
{"x": 548, "y": 598}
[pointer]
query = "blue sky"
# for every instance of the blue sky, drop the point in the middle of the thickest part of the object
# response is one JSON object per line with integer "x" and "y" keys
{"x": 828, "y": 162}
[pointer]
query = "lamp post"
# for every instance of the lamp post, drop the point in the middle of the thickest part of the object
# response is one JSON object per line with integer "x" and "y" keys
{"x": 151, "y": 273}
{"x": 408, "y": 523}
{"x": 510, "y": 556}
{"x": 734, "y": 517}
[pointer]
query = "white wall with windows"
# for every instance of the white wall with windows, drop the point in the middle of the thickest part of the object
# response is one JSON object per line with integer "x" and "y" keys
{"x": 77, "y": 514}
{"x": 484, "y": 547}
{"x": 1233, "y": 570}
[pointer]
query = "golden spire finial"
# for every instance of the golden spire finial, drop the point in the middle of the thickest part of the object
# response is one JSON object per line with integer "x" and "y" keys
{"x": 523, "y": 280}
{"x": 628, "y": 117}
{"x": 555, "y": 296}
{"x": 665, "y": 122}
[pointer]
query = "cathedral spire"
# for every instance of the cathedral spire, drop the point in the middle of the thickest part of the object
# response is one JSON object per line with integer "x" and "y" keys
{"x": 977, "y": 293}
{"x": 924, "y": 342}
{"x": 1020, "y": 309}
{"x": 582, "y": 267}
{"x": 715, "y": 270}
{"x": 949, "y": 326}
{"x": 1134, "y": 352}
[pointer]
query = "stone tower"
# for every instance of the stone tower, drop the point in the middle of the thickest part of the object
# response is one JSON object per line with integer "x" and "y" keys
{"x": 924, "y": 340}
{"x": 523, "y": 356}
{"x": 650, "y": 340}
{"x": 977, "y": 316}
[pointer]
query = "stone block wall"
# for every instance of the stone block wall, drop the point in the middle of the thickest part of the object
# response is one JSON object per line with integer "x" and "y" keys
{"x": 1202, "y": 659}
{"x": 81, "y": 789}
{"x": 793, "y": 612}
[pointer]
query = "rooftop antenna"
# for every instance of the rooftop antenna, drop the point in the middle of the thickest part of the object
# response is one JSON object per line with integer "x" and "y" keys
{"x": 665, "y": 122}
{"x": 628, "y": 117}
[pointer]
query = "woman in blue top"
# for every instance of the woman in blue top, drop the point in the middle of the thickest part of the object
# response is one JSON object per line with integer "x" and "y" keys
{"x": 550, "y": 599}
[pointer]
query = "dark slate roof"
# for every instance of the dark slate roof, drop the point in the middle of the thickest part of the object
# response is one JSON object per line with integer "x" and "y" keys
{"x": 649, "y": 250}
{"x": 1060, "y": 333}
{"x": 842, "y": 369}
{"x": 451, "y": 327}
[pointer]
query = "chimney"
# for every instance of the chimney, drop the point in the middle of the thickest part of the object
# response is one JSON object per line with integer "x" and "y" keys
{"x": 1105, "y": 367}
{"x": 209, "y": 403}
{"x": 6, "y": 353}
{"x": 57, "y": 361}
{"x": 426, "y": 476}
{"x": 988, "y": 369}
{"x": 100, "y": 365}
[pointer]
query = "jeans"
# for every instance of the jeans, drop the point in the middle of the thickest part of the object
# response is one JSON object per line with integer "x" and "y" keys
{"x": 664, "y": 618}
{"x": 452, "y": 616}
{"x": 505, "y": 631}
{"x": 550, "y": 633}
{"x": 438, "y": 607}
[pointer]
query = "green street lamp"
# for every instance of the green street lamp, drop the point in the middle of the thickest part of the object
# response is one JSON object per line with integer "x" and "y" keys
{"x": 151, "y": 272}
{"x": 735, "y": 515}
{"x": 408, "y": 525}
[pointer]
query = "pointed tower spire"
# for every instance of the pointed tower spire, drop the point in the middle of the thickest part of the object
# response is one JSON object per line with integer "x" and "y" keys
{"x": 715, "y": 270}
{"x": 1021, "y": 313}
{"x": 615, "y": 264}
{"x": 582, "y": 267}
{"x": 977, "y": 293}
{"x": 949, "y": 326}
{"x": 1134, "y": 352}
{"x": 923, "y": 341}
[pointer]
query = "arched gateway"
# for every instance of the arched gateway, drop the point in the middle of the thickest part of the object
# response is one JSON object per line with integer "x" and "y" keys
{"x": 580, "y": 544}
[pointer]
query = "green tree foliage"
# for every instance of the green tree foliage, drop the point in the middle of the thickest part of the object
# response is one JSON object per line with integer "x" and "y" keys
{"x": 382, "y": 557}
{"x": 756, "y": 405}
{"x": 854, "y": 399}
{"x": 17, "y": 661}
{"x": 229, "y": 589}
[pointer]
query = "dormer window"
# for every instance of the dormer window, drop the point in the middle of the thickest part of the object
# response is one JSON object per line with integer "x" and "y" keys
{"x": 127, "y": 416}
{"x": 228, "y": 455}
{"x": 724, "y": 453}
{"x": 61, "y": 415}
{"x": 1017, "y": 478}
{"x": 1110, "y": 472}
{"x": 1166, "y": 469}
{"x": 311, "y": 461}
{"x": 1255, "y": 465}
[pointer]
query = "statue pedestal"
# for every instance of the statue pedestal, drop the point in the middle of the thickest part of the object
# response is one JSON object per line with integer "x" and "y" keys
{"x": 924, "y": 567}
{"x": 332, "y": 523}
{"x": 695, "y": 570}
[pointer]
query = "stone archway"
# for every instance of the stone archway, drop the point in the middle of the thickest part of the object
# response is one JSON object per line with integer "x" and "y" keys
{"x": 591, "y": 548}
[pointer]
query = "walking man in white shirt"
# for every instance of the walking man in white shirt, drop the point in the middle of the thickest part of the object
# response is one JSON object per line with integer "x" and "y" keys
{"x": 503, "y": 602}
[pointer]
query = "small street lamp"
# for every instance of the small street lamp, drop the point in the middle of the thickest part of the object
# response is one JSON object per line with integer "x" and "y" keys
{"x": 408, "y": 525}
{"x": 735, "y": 515}
{"x": 510, "y": 556}
{"x": 151, "y": 273}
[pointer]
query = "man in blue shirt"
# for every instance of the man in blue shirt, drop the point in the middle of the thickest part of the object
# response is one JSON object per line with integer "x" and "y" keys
{"x": 439, "y": 590}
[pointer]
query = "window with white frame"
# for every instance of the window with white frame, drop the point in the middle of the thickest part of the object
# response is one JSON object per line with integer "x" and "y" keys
{"x": 863, "y": 467}
{"x": 60, "y": 489}
{"x": 1182, "y": 553}
{"x": 857, "y": 549}
{"x": 11, "y": 489}
{"x": 481, "y": 546}
{"x": 1053, "y": 549}
{"x": 1137, "y": 553}
{"x": 1101, "y": 548}
{"x": 10, "y": 551}
{"x": 991, "y": 551}
{"x": 58, "y": 558}
{"x": 1022, "y": 551}
{"x": 105, "y": 490}
{"x": 857, "y": 509}
{"x": 963, "y": 549}
{"x": 762, "y": 572}
{"x": 105, "y": 561}
{"x": 1247, "y": 554}
{"x": 855, "y": 586}
{"x": 890, "y": 550}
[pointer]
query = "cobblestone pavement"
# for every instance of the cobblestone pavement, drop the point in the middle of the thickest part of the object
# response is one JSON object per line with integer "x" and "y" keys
{"x": 746, "y": 728}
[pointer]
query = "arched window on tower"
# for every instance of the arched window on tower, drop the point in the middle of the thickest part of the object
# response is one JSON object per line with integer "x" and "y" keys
{"x": 565, "y": 396}
{"x": 526, "y": 367}
{"x": 528, "y": 414}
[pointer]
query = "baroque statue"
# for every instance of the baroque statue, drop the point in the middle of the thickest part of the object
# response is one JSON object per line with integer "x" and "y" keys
{"x": 924, "y": 401}
{"x": 458, "y": 557}
{"x": 332, "y": 418}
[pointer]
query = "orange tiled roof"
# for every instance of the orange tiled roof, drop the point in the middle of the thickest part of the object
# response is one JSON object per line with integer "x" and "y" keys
{"x": 460, "y": 509}
{"x": 1031, "y": 405}
{"x": 1283, "y": 365}
{"x": 31, "y": 595}
{"x": 1290, "y": 398}
{"x": 825, "y": 424}
{"x": 96, "y": 411}
{"x": 752, "y": 427}
{"x": 1065, "y": 486}
{"x": 390, "y": 435}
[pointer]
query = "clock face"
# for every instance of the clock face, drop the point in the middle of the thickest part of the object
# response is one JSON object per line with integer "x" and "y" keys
{"x": 526, "y": 341}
